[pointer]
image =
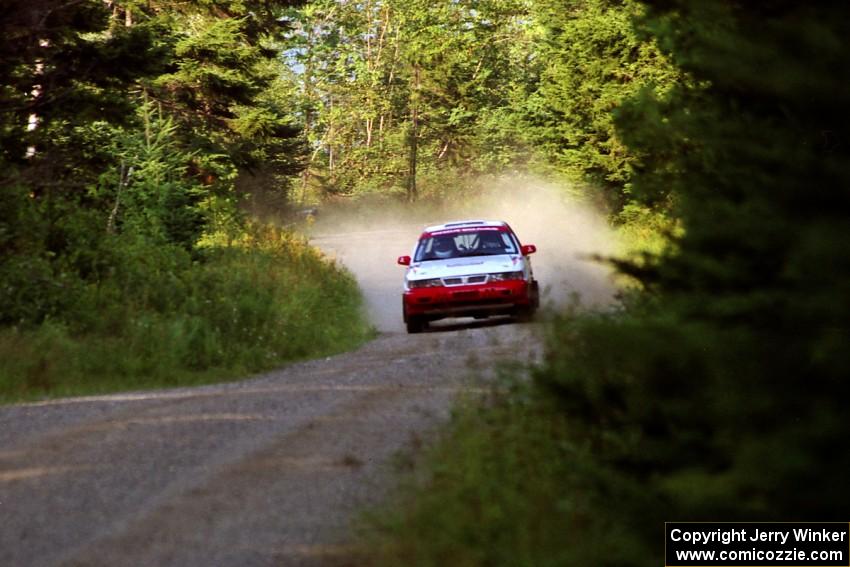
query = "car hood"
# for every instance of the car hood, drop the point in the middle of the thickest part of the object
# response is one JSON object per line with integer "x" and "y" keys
{"x": 468, "y": 266}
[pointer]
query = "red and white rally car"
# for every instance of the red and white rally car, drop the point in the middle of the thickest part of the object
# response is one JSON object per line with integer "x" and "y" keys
{"x": 472, "y": 268}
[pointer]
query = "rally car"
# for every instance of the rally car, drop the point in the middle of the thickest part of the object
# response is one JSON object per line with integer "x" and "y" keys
{"x": 473, "y": 268}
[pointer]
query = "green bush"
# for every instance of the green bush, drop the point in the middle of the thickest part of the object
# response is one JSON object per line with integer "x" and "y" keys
{"x": 507, "y": 485}
{"x": 159, "y": 317}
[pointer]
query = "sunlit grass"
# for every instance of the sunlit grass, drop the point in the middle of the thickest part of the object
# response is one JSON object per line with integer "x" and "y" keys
{"x": 266, "y": 299}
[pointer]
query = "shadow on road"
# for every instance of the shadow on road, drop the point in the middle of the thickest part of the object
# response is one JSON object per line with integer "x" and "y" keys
{"x": 469, "y": 323}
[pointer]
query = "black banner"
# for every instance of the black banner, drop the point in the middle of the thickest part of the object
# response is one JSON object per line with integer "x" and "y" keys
{"x": 757, "y": 544}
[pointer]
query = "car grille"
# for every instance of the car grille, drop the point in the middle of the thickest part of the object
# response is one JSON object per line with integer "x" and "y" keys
{"x": 465, "y": 280}
{"x": 465, "y": 295}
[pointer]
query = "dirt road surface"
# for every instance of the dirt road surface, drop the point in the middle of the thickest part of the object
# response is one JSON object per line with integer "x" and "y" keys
{"x": 267, "y": 471}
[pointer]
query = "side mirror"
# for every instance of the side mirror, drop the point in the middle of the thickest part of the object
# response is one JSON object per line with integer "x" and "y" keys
{"x": 404, "y": 260}
{"x": 528, "y": 249}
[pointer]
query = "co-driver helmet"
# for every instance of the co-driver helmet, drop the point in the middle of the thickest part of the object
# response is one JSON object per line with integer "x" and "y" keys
{"x": 444, "y": 247}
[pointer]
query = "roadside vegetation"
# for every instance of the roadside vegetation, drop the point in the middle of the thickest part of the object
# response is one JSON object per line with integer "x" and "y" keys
{"x": 162, "y": 318}
{"x": 129, "y": 132}
{"x": 418, "y": 99}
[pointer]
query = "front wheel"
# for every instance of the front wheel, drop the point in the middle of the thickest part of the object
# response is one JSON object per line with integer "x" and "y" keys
{"x": 416, "y": 324}
{"x": 535, "y": 295}
{"x": 526, "y": 314}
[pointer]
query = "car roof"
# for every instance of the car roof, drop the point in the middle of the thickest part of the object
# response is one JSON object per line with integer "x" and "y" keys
{"x": 465, "y": 224}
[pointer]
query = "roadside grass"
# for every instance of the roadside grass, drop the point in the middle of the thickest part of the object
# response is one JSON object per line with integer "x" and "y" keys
{"x": 508, "y": 482}
{"x": 499, "y": 487}
{"x": 162, "y": 319}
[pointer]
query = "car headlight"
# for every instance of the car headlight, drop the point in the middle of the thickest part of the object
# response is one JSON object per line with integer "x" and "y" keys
{"x": 507, "y": 276}
{"x": 435, "y": 282}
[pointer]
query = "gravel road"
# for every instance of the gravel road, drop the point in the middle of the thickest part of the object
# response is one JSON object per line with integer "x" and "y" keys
{"x": 267, "y": 471}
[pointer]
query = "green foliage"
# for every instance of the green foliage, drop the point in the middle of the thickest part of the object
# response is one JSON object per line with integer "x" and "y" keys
{"x": 644, "y": 233}
{"x": 750, "y": 300}
{"x": 594, "y": 60}
{"x": 148, "y": 185}
{"x": 733, "y": 368}
{"x": 491, "y": 496}
{"x": 386, "y": 79}
{"x": 164, "y": 319}
{"x": 83, "y": 87}
{"x": 123, "y": 128}
{"x": 394, "y": 91}
{"x": 59, "y": 50}
{"x": 718, "y": 392}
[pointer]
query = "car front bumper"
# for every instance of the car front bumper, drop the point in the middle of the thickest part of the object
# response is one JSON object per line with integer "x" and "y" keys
{"x": 466, "y": 300}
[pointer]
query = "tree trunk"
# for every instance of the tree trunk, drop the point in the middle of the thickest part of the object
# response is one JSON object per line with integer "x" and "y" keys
{"x": 413, "y": 142}
{"x": 369, "y": 123}
{"x": 330, "y": 136}
{"x": 36, "y": 92}
{"x": 123, "y": 179}
{"x": 309, "y": 95}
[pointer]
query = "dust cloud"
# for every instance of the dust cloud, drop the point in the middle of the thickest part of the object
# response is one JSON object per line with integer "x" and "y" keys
{"x": 369, "y": 237}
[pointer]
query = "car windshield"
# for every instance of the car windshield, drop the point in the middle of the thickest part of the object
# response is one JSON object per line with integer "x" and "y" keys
{"x": 443, "y": 245}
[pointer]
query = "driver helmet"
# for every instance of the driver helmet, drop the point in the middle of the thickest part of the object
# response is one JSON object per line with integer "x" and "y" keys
{"x": 490, "y": 241}
{"x": 444, "y": 247}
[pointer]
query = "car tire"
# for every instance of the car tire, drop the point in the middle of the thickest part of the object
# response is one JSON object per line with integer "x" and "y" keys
{"x": 535, "y": 295}
{"x": 416, "y": 324}
{"x": 525, "y": 314}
